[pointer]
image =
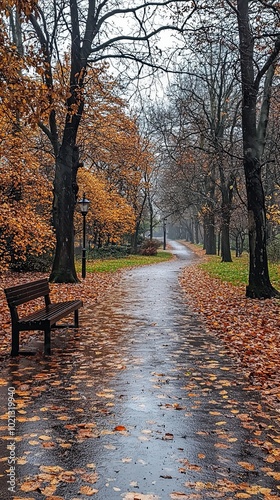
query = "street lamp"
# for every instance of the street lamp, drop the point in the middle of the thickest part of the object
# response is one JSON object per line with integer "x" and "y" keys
{"x": 84, "y": 206}
{"x": 164, "y": 233}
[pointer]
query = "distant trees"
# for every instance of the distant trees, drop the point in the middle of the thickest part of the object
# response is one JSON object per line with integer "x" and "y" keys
{"x": 223, "y": 103}
{"x": 201, "y": 132}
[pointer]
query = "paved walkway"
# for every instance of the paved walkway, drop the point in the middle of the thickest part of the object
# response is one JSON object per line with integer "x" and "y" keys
{"x": 140, "y": 404}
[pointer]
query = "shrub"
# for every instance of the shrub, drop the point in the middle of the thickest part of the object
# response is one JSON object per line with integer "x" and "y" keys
{"x": 149, "y": 247}
{"x": 273, "y": 250}
{"x": 109, "y": 252}
{"x": 36, "y": 263}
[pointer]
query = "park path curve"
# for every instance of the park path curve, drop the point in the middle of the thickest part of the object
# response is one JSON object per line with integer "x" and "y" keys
{"x": 139, "y": 404}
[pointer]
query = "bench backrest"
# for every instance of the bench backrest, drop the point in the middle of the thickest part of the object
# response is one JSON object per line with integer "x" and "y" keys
{"x": 20, "y": 294}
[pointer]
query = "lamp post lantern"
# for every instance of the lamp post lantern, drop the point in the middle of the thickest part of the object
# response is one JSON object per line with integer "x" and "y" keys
{"x": 84, "y": 206}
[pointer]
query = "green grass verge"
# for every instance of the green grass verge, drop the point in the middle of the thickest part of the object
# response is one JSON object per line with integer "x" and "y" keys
{"x": 237, "y": 272}
{"x": 112, "y": 265}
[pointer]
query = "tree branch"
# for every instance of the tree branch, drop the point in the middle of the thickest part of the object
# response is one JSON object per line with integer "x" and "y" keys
{"x": 271, "y": 59}
{"x": 133, "y": 38}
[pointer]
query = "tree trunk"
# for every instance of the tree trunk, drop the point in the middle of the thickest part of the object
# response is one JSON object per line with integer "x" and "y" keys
{"x": 209, "y": 235}
{"x": 134, "y": 238}
{"x": 237, "y": 246}
{"x": 196, "y": 231}
{"x": 65, "y": 193}
{"x": 189, "y": 231}
{"x": 259, "y": 283}
{"x": 226, "y": 215}
{"x": 225, "y": 242}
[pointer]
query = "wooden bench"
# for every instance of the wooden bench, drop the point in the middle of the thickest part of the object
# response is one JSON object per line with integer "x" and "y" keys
{"x": 43, "y": 319}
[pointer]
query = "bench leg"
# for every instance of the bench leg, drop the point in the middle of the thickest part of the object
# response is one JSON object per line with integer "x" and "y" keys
{"x": 76, "y": 315}
{"x": 47, "y": 349}
{"x": 15, "y": 341}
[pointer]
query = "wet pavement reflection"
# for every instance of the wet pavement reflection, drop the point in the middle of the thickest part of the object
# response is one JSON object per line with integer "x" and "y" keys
{"x": 139, "y": 403}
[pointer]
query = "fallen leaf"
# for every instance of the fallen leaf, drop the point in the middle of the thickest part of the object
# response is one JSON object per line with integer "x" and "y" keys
{"x": 120, "y": 428}
{"x": 31, "y": 485}
{"x": 168, "y": 436}
{"x": 246, "y": 465}
{"x": 87, "y": 490}
{"x": 51, "y": 469}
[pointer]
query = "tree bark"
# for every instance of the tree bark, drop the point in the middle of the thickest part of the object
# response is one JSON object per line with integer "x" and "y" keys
{"x": 134, "y": 239}
{"x": 225, "y": 241}
{"x": 226, "y": 208}
{"x": 259, "y": 285}
{"x": 64, "y": 202}
{"x": 209, "y": 235}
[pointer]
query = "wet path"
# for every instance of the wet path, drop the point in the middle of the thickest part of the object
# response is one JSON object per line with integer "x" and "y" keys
{"x": 139, "y": 404}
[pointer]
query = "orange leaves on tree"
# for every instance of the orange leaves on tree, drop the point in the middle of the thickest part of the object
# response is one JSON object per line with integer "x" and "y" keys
{"x": 25, "y": 189}
{"x": 23, "y": 6}
{"x": 25, "y": 199}
{"x": 110, "y": 215}
{"x": 116, "y": 159}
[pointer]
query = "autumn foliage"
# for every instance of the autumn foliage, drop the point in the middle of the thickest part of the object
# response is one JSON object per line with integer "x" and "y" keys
{"x": 114, "y": 161}
{"x": 110, "y": 215}
{"x": 24, "y": 7}
{"x": 25, "y": 203}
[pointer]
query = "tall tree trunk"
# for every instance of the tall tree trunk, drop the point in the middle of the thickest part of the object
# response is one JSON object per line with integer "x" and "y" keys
{"x": 225, "y": 240}
{"x": 259, "y": 283}
{"x": 134, "y": 238}
{"x": 191, "y": 231}
{"x": 196, "y": 231}
{"x": 227, "y": 193}
{"x": 65, "y": 181}
{"x": 64, "y": 201}
{"x": 209, "y": 234}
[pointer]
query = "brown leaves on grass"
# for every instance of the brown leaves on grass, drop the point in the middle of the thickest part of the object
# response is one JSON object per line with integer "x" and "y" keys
{"x": 249, "y": 328}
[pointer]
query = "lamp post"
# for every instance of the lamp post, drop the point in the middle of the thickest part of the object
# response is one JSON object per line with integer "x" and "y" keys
{"x": 84, "y": 206}
{"x": 164, "y": 234}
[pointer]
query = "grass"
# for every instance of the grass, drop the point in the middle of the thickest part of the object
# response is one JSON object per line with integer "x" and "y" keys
{"x": 112, "y": 265}
{"x": 237, "y": 272}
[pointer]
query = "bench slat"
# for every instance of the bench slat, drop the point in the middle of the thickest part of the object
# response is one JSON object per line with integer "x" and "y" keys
{"x": 20, "y": 294}
{"x": 53, "y": 313}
